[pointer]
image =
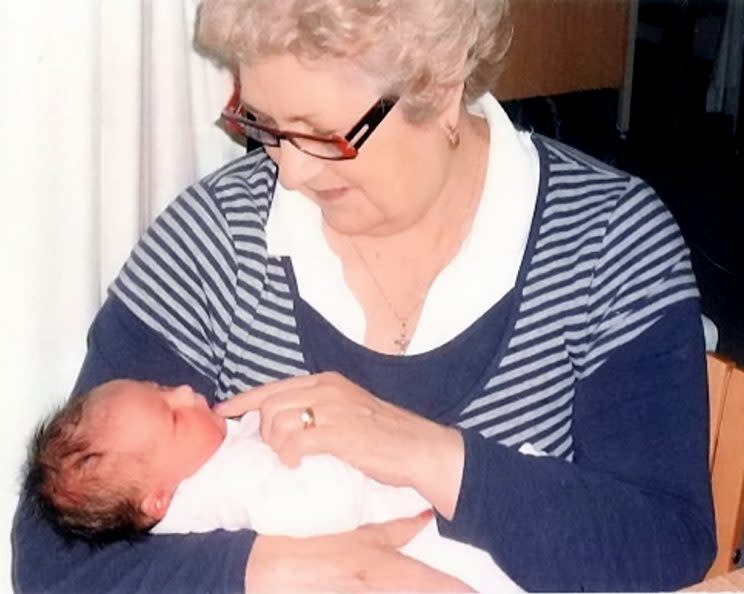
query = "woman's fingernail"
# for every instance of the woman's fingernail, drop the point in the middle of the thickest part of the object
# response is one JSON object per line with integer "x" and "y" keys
{"x": 427, "y": 513}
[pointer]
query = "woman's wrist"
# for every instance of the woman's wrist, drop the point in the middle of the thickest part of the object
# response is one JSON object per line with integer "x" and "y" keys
{"x": 439, "y": 468}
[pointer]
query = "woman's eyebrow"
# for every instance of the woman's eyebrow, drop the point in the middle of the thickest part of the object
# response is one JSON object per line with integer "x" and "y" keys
{"x": 305, "y": 118}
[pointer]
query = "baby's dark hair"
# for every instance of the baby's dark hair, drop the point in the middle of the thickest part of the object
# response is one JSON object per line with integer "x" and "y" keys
{"x": 68, "y": 479}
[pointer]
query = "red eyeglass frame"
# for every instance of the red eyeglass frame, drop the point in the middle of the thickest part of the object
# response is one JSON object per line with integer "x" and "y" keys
{"x": 347, "y": 145}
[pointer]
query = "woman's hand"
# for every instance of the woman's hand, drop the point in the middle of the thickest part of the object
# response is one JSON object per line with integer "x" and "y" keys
{"x": 363, "y": 560}
{"x": 385, "y": 442}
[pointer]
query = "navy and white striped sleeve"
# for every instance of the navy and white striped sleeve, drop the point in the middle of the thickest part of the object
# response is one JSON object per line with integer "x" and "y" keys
{"x": 180, "y": 279}
{"x": 632, "y": 510}
{"x": 165, "y": 320}
{"x": 643, "y": 270}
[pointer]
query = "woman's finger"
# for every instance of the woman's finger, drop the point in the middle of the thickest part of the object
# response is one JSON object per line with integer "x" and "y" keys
{"x": 362, "y": 560}
{"x": 410, "y": 574}
{"x": 290, "y": 411}
{"x": 254, "y": 398}
{"x": 414, "y": 576}
{"x": 397, "y": 533}
{"x": 293, "y": 446}
{"x": 287, "y": 426}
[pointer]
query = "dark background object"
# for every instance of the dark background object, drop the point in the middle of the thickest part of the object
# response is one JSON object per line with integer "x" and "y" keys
{"x": 693, "y": 158}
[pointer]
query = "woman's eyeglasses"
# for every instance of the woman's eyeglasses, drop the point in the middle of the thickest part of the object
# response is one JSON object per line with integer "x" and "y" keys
{"x": 334, "y": 147}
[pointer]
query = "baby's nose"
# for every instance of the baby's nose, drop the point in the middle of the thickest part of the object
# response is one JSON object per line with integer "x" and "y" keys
{"x": 182, "y": 395}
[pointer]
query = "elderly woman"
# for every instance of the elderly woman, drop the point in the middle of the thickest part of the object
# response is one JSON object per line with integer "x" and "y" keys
{"x": 430, "y": 295}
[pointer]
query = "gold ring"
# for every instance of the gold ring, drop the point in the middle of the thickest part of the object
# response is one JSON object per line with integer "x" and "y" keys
{"x": 308, "y": 418}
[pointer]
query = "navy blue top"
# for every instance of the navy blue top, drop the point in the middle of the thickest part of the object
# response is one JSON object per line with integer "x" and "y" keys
{"x": 436, "y": 384}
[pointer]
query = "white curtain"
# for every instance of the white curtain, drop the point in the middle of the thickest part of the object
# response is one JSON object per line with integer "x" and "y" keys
{"x": 106, "y": 112}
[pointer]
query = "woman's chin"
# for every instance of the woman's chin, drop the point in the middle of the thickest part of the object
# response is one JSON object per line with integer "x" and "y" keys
{"x": 346, "y": 223}
{"x": 354, "y": 223}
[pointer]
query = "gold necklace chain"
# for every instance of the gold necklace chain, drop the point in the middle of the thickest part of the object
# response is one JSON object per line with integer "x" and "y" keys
{"x": 403, "y": 340}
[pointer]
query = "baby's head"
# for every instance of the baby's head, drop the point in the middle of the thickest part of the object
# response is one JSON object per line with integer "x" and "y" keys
{"x": 106, "y": 465}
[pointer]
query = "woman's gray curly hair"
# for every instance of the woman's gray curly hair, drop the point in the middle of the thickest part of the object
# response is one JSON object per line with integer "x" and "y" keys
{"x": 416, "y": 49}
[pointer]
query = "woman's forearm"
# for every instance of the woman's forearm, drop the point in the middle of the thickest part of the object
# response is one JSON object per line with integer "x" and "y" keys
{"x": 633, "y": 509}
{"x": 43, "y": 561}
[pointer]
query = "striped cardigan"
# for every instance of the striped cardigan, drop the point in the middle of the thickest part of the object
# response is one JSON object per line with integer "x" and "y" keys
{"x": 605, "y": 259}
{"x": 601, "y": 367}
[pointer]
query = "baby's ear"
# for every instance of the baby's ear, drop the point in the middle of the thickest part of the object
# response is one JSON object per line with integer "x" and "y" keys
{"x": 156, "y": 503}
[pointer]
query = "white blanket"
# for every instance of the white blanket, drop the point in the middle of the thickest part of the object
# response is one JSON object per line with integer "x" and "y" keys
{"x": 244, "y": 485}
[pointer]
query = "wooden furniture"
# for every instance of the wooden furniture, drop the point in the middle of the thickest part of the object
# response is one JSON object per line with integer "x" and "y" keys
{"x": 728, "y": 582}
{"x": 561, "y": 46}
{"x": 726, "y": 393}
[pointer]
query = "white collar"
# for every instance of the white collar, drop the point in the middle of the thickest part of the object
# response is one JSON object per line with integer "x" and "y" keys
{"x": 481, "y": 273}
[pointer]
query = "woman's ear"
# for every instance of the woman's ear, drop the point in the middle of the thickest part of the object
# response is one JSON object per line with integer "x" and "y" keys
{"x": 155, "y": 504}
{"x": 449, "y": 117}
{"x": 453, "y": 102}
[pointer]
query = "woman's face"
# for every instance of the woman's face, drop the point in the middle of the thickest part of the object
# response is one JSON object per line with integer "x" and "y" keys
{"x": 399, "y": 171}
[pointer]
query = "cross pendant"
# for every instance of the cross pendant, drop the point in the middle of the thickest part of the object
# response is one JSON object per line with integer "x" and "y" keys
{"x": 402, "y": 341}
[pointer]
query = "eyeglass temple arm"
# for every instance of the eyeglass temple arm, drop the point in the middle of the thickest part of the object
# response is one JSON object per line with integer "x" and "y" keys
{"x": 370, "y": 120}
{"x": 234, "y": 101}
{"x": 232, "y": 107}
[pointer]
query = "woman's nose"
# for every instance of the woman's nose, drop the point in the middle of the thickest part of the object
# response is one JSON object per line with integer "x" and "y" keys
{"x": 295, "y": 167}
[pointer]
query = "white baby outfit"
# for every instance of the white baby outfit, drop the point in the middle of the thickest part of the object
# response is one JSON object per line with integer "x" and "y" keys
{"x": 244, "y": 485}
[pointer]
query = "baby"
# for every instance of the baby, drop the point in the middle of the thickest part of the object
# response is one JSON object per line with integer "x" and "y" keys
{"x": 131, "y": 457}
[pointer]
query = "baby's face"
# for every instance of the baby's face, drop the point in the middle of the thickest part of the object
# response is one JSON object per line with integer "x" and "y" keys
{"x": 170, "y": 431}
